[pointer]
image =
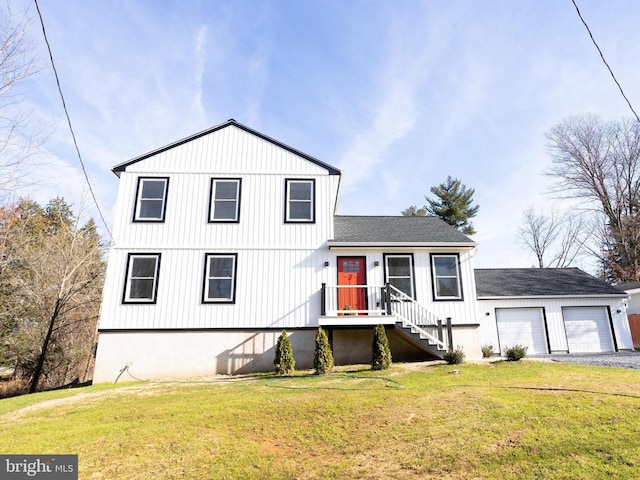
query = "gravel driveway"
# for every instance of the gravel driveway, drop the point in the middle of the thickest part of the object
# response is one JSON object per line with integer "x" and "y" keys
{"x": 618, "y": 359}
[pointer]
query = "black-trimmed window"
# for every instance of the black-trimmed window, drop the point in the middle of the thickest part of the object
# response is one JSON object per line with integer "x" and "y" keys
{"x": 151, "y": 199}
{"x": 219, "y": 278}
{"x": 300, "y": 201}
{"x": 399, "y": 272}
{"x": 445, "y": 269}
{"x": 224, "y": 205}
{"x": 141, "y": 283}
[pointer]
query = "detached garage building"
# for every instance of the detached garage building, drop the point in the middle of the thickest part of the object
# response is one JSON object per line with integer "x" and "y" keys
{"x": 551, "y": 310}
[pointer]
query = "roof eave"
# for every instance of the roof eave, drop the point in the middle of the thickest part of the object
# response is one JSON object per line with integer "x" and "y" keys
{"x": 463, "y": 245}
{"x": 520, "y": 297}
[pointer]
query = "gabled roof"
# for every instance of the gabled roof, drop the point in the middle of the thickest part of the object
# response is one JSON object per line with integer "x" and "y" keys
{"x": 540, "y": 282}
{"x": 400, "y": 231}
{"x": 123, "y": 166}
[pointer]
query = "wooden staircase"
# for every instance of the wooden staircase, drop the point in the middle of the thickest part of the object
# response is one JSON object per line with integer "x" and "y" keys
{"x": 417, "y": 325}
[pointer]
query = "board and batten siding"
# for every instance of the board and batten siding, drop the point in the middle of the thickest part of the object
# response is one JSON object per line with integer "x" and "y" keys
{"x": 262, "y": 211}
{"x": 280, "y": 266}
{"x": 461, "y": 312}
{"x": 274, "y": 289}
{"x": 555, "y": 326}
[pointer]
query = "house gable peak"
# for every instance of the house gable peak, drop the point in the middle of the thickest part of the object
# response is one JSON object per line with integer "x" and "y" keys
{"x": 122, "y": 167}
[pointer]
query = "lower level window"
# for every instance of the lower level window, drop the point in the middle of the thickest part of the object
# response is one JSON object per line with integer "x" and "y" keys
{"x": 219, "y": 278}
{"x": 142, "y": 278}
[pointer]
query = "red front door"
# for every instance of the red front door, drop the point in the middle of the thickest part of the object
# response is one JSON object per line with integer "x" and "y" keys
{"x": 352, "y": 272}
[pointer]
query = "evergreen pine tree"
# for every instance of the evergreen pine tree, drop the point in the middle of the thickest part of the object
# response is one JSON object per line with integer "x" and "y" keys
{"x": 454, "y": 204}
{"x": 322, "y": 357}
{"x": 284, "y": 360}
{"x": 380, "y": 351}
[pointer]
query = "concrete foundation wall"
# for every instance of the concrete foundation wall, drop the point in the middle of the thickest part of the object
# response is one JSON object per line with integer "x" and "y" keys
{"x": 182, "y": 354}
{"x": 156, "y": 355}
{"x": 354, "y": 347}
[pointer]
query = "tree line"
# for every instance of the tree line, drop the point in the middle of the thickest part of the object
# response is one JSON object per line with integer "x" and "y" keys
{"x": 51, "y": 273}
{"x": 595, "y": 164}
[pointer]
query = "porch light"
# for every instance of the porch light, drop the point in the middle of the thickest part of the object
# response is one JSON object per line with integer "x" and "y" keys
{"x": 326, "y": 264}
{"x": 376, "y": 263}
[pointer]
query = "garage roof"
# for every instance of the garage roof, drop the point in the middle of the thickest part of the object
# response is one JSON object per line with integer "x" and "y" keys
{"x": 540, "y": 282}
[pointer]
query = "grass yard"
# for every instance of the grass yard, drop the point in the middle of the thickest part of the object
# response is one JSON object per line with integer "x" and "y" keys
{"x": 503, "y": 420}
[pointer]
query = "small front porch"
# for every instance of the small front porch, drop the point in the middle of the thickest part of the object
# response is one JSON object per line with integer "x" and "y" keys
{"x": 359, "y": 306}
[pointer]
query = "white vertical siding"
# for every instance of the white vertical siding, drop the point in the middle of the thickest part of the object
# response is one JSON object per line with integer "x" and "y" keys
{"x": 280, "y": 265}
{"x": 555, "y": 322}
{"x": 274, "y": 289}
{"x": 261, "y": 214}
{"x": 461, "y": 311}
{"x": 634, "y": 302}
{"x": 226, "y": 150}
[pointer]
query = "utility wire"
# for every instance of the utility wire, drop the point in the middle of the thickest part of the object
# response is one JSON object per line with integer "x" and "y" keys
{"x": 66, "y": 112}
{"x": 603, "y": 59}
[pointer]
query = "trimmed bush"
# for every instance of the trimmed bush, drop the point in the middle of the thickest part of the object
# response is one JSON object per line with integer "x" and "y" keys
{"x": 454, "y": 357}
{"x": 322, "y": 357}
{"x": 487, "y": 351}
{"x": 515, "y": 353}
{"x": 284, "y": 361}
{"x": 380, "y": 351}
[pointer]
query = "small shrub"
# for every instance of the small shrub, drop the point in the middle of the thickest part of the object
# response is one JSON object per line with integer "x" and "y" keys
{"x": 284, "y": 361}
{"x": 487, "y": 351}
{"x": 322, "y": 357}
{"x": 380, "y": 351}
{"x": 454, "y": 357}
{"x": 515, "y": 353}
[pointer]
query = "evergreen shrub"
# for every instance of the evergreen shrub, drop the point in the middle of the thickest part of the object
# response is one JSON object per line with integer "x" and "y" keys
{"x": 284, "y": 361}
{"x": 322, "y": 357}
{"x": 380, "y": 351}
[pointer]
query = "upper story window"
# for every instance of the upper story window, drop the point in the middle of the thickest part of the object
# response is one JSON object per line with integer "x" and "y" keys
{"x": 141, "y": 283}
{"x": 225, "y": 200}
{"x": 151, "y": 199}
{"x": 300, "y": 201}
{"x": 219, "y": 278}
{"x": 399, "y": 272}
{"x": 446, "y": 277}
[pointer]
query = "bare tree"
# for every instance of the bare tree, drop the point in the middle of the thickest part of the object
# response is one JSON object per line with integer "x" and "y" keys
{"x": 17, "y": 63}
{"x": 556, "y": 239}
{"x": 49, "y": 293}
{"x": 599, "y": 163}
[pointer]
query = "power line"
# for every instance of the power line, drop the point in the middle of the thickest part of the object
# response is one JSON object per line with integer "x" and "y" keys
{"x": 605, "y": 62}
{"x": 66, "y": 112}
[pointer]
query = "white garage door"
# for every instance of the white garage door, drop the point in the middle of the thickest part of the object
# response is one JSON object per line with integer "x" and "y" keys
{"x": 587, "y": 329}
{"x": 522, "y": 326}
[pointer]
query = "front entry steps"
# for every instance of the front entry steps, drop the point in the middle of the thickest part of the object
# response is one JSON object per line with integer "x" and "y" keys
{"x": 418, "y": 340}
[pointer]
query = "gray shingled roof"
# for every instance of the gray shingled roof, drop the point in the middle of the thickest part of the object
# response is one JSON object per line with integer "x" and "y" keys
{"x": 625, "y": 287}
{"x": 393, "y": 230}
{"x": 539, "y": 282}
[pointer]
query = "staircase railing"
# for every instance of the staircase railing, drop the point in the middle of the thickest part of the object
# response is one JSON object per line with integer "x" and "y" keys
{"x": 417, "y": 317}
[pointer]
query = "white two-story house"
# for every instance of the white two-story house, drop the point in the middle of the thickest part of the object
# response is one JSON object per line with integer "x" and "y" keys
{"x": 223, "y": 239}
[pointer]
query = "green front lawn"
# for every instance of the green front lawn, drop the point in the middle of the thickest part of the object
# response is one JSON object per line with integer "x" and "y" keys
{"x": 505, "y": 420}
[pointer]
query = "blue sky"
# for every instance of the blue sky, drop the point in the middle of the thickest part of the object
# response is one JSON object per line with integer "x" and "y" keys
{"x": 397, "y": 94}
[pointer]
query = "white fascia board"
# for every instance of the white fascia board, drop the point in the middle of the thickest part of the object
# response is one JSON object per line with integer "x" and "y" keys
{"x": 378, "y": 245}
{"x": 632, "y": 291}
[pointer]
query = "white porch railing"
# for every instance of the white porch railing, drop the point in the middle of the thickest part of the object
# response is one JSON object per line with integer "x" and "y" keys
{"x": 345, "y": 300}
{"x": 418, "y": 318}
